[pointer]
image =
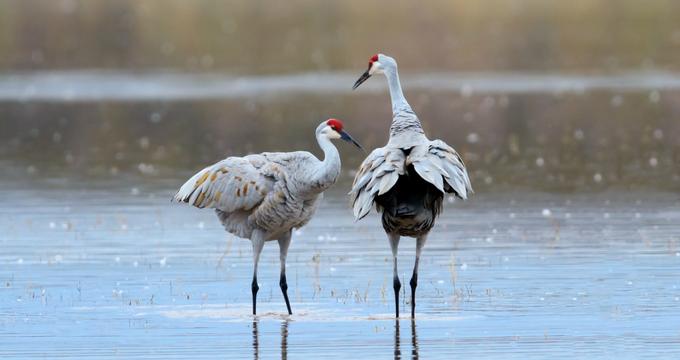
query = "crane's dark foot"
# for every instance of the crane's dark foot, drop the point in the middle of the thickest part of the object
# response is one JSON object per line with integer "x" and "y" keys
{"x": 284, "y": 289}
{"x": 254, "y": 288}
{"x": 396, "y": 284}
{"x": 414, "y": 284}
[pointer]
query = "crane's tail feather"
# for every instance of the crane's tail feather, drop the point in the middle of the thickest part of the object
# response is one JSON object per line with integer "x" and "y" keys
{"x": 438, "y": 163}
{"x": 435, "y": 162}
{"x": 187, "y": 193}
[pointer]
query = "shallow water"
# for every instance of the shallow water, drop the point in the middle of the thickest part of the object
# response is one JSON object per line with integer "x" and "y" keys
{"x": 113, "y": 269}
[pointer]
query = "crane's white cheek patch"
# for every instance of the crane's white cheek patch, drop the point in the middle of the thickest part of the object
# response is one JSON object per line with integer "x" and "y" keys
{"x": 330, "y": 133}
{"x": 374, "y": 68}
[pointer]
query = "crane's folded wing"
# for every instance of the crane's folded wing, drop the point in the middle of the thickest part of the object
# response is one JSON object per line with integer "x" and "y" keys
{"x": 377, "y": 175}
{"x": 436, "y": 162}
{"x": 231, "y": 184}
{"x": 439, "y": 164}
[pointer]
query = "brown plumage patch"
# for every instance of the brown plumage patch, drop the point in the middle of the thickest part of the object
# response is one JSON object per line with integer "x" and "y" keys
{"x": 238, "y": 192}
{"x": 218, "y": 196}
{"x": 238, "y": 178}
{"x": 223, "y": 170}
{"x": 213, "y": 176}
{"x": 199, "y": 199}
{"x": 245, "y": 190}
{"x": 202, "y": 179}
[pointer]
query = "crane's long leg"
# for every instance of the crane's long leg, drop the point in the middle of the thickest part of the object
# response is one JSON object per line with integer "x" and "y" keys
{"x": 394, "y": 244}
{"x": 258, "y": 244}
{"x": 420, "y": 242}
{"x": 284, "y": 242}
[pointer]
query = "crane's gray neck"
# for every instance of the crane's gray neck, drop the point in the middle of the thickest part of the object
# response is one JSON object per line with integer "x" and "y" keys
{"x": 404, "y": 120}
{"x": 399, "y": 103}
{"x": 326, "y": 174}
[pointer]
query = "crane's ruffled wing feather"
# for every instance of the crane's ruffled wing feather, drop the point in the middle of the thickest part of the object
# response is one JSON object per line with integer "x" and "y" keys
{"x": 229, "y": 185}
{"x": 377, "y": 175}
{"x": 439, "y": 164}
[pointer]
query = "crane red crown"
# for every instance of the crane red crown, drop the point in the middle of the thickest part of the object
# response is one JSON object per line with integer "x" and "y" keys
{"x": 373, "y": 59}
{"x": 335, "y": 124}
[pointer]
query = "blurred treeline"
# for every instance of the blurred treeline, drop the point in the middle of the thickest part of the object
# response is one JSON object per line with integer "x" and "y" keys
{"x": 270, "y": 36}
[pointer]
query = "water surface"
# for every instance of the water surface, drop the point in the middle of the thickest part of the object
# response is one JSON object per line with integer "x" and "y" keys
{"x": 113, "y": 269}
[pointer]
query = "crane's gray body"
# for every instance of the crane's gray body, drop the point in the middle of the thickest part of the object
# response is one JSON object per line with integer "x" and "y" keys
{"x": 411, "y": 206}
{"x": 270, "y": 192}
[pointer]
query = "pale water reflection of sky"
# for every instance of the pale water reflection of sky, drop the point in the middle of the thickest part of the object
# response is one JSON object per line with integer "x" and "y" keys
{"x": 106, "y": 271}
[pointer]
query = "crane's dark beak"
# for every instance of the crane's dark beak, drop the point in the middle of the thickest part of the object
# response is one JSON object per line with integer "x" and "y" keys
{"x": 363, "y": 78}
{"x": 345, "y": 136}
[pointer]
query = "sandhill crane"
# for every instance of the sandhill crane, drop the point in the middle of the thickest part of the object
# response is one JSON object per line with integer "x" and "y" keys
{"x": 262, "y": 197}
{"x": 407, "y": 178}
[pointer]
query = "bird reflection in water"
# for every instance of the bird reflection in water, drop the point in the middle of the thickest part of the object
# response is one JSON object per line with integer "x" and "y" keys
{"x": 284, "y": 340}
{"x": 256, "y": 342}
{"x": 397, "y": 341}
{"x": 414, "y": 340}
